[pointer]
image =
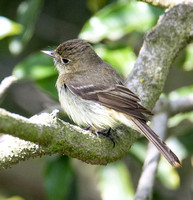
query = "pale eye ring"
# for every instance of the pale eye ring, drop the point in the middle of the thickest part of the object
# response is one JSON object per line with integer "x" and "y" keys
{"x": 65, "y": 61}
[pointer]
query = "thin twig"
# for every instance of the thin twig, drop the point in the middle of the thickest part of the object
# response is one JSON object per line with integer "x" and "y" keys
{"x": 183, "y": 104}
{"x": 6, "y": 83}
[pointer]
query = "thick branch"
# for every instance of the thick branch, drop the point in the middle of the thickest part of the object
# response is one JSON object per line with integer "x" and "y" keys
{"x": 166, "y": 3}
{"x": 13, "y": 150}
{"x": 160, "y": 47}
{"x": 54, "y": 135}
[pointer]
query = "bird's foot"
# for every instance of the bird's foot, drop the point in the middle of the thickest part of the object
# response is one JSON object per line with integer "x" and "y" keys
{"x": 87, "y": 128}
{"x": 101, "y": 132}
{"x": 107, "y": 134}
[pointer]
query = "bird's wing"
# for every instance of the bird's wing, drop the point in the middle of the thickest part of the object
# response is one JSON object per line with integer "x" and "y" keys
{"x": 117, "y": 97}
{"x": 123, "y": 100}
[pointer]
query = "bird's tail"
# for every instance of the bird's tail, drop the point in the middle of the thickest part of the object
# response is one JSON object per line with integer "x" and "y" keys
{"x": 156, "y": 140}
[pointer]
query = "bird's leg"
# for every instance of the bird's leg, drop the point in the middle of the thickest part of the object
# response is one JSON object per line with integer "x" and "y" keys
{"x": 87, "y": 128}
{"x": 107, "y": 134}
{"x": 101, "y": 132}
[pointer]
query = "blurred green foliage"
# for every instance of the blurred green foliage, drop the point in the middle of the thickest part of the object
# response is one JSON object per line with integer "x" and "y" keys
{"x": 38, "y": 68}
{"x": 35, "y": 67}
{"x": 188, "y": 64}
{"x": 9, "y": 27}
{"x": 118, "y": 19}
{"x": 120, "y": 56}
{"x": 27, "y": 14}
{"x": 120, "y": 186}
{"x": 59, "y": 179}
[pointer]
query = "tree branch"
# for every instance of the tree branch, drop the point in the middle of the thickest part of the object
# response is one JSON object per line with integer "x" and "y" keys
{"x": 6, "y": 83}
{"x": 163, "y": 110}
{"x": 166, "y": 3}
{"x": 55, "y": 135}
{"x": 13, "y": 150}
{"x": 183, "y": 127}
{"x": 161, "y": 45}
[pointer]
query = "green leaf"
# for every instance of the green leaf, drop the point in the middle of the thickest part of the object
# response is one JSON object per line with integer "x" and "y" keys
{"x": 9, "y": 27}
{"x": 118, "y": 19}
{"x": 120, "y": 184}
{"x": 188, "y": 64}
{"x": 168, "y": 175}
{"x": 37, "y": 66}
{"x": 186, "y": 140}
{"x": 48, "y": 85}
{"x": 40, "y": 68}
{"x": 174, "y": 95}
{"x": 121, "y": 57}
{"x": 27, "y": 14}
{"x": 175, "y": 120}
{"x": 59, "y": 179}
{"x": 14, "y": 198}
{"x": 139, "y": 151}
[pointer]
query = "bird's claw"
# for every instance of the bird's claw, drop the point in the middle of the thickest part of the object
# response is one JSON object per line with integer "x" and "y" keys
{"x": 101, "y": 132}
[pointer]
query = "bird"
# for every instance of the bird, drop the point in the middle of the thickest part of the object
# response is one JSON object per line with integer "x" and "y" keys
{"x": 93, "y": 94}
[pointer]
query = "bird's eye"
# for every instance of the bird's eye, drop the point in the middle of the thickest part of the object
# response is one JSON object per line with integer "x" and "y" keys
{"x": 65, "y": 61}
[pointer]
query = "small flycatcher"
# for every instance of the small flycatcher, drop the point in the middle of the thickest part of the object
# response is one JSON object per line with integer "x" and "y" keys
{"x": 92, "y": 93}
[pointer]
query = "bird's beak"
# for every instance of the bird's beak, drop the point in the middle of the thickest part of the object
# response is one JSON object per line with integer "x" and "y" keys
{"x": 49, "y": 53}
